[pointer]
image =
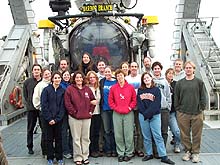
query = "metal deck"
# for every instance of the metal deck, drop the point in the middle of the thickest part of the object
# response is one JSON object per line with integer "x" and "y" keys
{"x": 14, "y": 141}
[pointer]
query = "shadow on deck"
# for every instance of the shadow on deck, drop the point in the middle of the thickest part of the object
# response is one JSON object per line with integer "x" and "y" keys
{"x": 14, "y": 141}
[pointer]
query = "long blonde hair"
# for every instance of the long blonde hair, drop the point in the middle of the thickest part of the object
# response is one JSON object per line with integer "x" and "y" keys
{"x": 96, "y": 77}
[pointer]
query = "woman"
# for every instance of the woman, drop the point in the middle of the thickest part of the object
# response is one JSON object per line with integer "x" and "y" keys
{"x": 53, "y": 110}
{"x": 106, "y": 113}
{"x": 87, "y": 64}
{"x": 78, "y": 101}
{"x": 172, "y": 119}
{"x": 93, "y": 83}
{"x": 122, "y": 99}
{"x": 125, "y": 67}
{"x": 149, "y": 104}
{"x": 66, "y": 135}
{"x": 46, "y": 74}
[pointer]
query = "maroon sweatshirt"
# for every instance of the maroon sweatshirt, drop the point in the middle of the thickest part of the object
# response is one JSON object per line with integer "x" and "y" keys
{"x": 77, "y": 102}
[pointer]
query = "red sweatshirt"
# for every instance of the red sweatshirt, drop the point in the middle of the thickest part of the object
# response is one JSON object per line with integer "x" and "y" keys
{"x": 122, "y": 99}
{"x": 77, "y": 102}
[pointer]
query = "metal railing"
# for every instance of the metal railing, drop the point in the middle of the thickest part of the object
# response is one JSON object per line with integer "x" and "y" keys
{"x": 213, "y": 50}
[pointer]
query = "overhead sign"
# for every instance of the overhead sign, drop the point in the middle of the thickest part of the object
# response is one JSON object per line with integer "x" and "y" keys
{"x": 98, "y": 8}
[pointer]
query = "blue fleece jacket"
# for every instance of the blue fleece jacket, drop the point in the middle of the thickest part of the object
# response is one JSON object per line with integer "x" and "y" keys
{"x": 52, "y": 103}
{"x": 147, "y": 107}
{"x": 64, "y": 84}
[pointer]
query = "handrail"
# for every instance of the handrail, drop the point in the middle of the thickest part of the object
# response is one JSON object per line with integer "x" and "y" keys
{"x": 210, "y": 73}
{"x": 216, "y": 51}
{"x": 6, "y": 70}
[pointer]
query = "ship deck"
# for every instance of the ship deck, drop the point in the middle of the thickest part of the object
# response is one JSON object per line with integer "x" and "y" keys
{"x": 14, "y": 142}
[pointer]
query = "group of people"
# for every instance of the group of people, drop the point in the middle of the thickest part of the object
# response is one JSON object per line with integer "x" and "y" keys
{"x": 122, "y": 114}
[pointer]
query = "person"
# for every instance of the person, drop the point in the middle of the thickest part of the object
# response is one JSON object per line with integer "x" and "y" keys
{"x": 125, "y": 67}
{"x": 78, "y": 101}
{"x": 106, "y": 113}
{"x": 93, "y": 83}
{"x": 122, "y": 99}
{"x": 3, "y": 157}
{"x": 189, "y": 102}
{"x": 46, "y": 77}
{"x": 149, "y": 105}
{"x": 87, "y": 64}
{"x": 178, "y": 74}
{"x": 163, "y": 85}
{"x": 63, "y": 65}
{"x": 178, "y": 70}
{"x": 172, "y": 120}
{"x": 135, "y": 80}
{"x": 32, "y": 112}
{"x": 52, "y": 104}
{"x": 147, "y": 64}
{"x": 66, "y": 135}
{"x": 101, "y": 65}
{"x": 101, "y": 69}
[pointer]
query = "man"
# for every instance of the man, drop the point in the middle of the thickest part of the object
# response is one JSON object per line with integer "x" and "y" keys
{"x": 63, "y": 65}
{"x": 33, "y": 113}
{"x": 163, "y": 85}
{"x": 147, "y": 64}
{"x": 189, "y": 102}
{"x": 178, "y": 70}
{"x": 135, "y": 80}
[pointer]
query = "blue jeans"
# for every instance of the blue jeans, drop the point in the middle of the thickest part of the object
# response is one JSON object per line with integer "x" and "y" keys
{"x": 174, "y": 128}
{"x": 66, "y": 136}
{"x": 151, "y": 128}
{"x": 109, "y": 139}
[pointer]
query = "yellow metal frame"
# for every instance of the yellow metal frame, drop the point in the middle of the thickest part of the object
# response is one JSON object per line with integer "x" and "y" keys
{"x": 46, "y": 24}
{"x": 151, "y": 20}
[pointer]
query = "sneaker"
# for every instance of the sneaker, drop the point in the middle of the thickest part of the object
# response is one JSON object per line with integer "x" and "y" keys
{"x": 67, "y": 156}
{"x": 177, "y": 149}
{"x": 60, "y": 162}
{"x": 50, "y": 162}
{"x": 186, "y": 156}
{"x": 195, "y": 158}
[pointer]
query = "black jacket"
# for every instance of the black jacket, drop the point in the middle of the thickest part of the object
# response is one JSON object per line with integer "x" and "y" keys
{"x": 52, "y": 103}
{"x": 28, "y": 91}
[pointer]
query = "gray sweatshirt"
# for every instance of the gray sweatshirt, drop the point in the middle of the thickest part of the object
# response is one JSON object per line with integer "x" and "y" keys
{"x": 163, "y": 85}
